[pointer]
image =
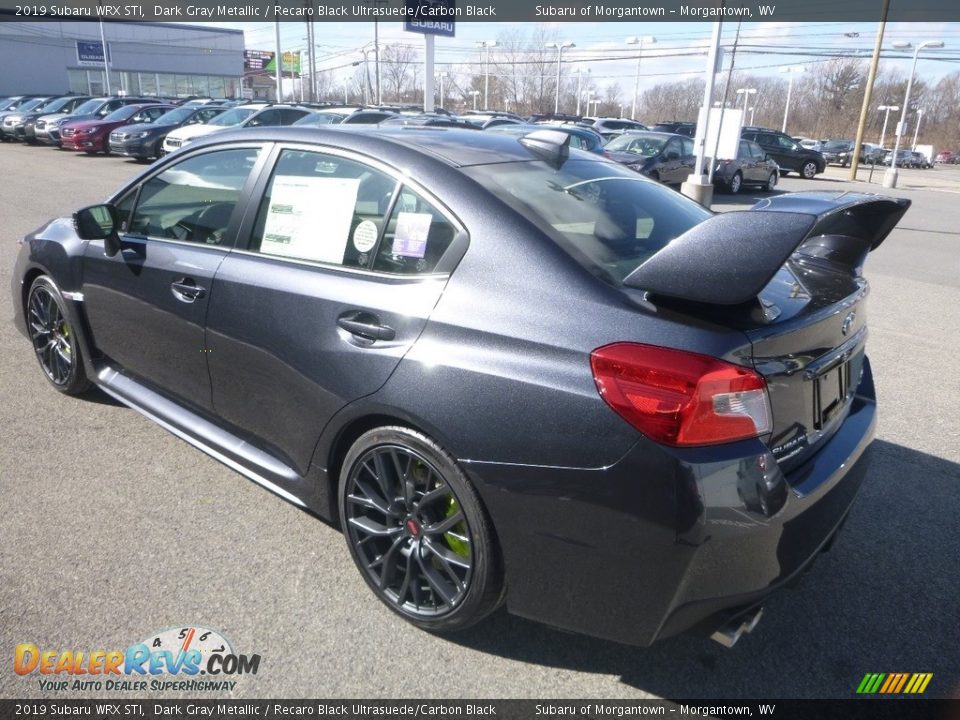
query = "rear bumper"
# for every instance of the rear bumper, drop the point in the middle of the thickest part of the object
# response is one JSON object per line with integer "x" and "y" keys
{"x": 666, "y": 540}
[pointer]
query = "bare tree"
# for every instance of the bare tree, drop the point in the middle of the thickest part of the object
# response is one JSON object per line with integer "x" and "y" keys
{"x": 396, "y": 69}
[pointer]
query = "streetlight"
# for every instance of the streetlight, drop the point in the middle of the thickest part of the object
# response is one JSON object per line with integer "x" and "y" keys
{"x": 890, "y": 176}
{"x": 442, "y": 76}
{"x": 579, "y": 72}
{"x": 486, "y": 45}
{"x": 916, "y": 130}
{"x": 475, "y": 93}
{"x": 786, "y": 110}
{"x": 559, "y": 46}
{"x": 746, "y": 92}
{"x": 752, "y": 108}
{"x": 886, "y": 116}
{"x": 639, "y": 42}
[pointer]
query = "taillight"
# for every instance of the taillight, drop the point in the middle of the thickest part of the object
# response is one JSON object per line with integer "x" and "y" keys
{"x": 681, "y": 398}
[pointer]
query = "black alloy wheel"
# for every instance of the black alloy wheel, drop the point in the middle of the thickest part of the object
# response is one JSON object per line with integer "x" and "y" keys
{"x": 417, "y": 531}
{"x": 54, "y": 339}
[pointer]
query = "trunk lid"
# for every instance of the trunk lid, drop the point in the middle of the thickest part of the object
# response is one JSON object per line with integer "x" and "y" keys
{"x": 788, "y": 273}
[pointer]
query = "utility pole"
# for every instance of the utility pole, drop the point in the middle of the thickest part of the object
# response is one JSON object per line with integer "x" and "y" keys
{"x": 868, "y": 92}
{"x": 279, "y": 62}
{"x": 311, "y": 55}
{"x": 106, "y": 63}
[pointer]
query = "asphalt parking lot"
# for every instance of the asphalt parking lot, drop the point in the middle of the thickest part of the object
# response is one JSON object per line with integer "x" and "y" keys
{"x": 113, "y": 529}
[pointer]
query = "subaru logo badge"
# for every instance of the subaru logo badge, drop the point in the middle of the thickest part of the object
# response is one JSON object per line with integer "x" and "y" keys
{"x": 848, "y": 322}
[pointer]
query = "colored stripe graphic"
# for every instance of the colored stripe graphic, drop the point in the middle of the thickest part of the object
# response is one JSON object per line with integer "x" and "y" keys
{"x": 894, "y": 683}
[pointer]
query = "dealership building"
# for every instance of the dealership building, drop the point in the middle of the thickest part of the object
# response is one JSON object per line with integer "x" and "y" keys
{"x": 148, "y": 58}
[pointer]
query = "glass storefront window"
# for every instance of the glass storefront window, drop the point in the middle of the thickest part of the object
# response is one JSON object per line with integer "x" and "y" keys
{"x": 168, "y": 85}
{"x": 78, "y": 81}
{"x": 148, "y": 83}
{"x": 216, "y": 87}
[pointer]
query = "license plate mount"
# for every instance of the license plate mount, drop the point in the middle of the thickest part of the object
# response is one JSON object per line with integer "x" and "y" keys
{"x": 831, "y": 391}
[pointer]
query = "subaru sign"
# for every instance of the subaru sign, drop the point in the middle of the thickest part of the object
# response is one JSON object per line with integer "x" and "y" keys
{"x": 90, "y": 52}
{"x": 431, "y": 17}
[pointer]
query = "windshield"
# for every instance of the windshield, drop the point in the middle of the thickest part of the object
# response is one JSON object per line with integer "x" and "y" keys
{"x": 232, "y": 117}
{"x": 5, "y": 104}
{"x": 646, "y": 145}
{"x": 31, "y": 104}
{"x": 606, "y": 216}
{"x": 56, "y": 105}
{"x": 122, "y": 113}
{"x": 321, "y": 118}
{"x": 88, "y": 108}
{"x": 175, "y": 117}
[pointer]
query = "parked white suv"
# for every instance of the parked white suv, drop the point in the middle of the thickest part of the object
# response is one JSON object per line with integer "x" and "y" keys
{"x": 232, "y": 118}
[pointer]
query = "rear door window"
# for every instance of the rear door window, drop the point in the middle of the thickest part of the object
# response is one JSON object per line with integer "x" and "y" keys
{"x": 416, "y": 237}
{"x": 322, "y": 208}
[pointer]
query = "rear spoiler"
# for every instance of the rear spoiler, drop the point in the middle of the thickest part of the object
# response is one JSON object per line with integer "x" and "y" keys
{"x": 730, "y": 258}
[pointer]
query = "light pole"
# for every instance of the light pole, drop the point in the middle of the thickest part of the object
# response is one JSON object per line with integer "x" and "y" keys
{"x": 786, "y": 110}
{"x": 746, "y": 92}
{"x": 559, "y": 46}
{"x": 752, "y": 108}
{"x": 486, "y": 45}
{"x": 916, "y": 130}
{"x": 579, "y": 72}
{"x": 475, "y": 94}
{"x": 442, "y": 76}
{"x": 890, "y": 176}
{"x": 589, "y": 100}
{"x": 639, "y": 42}
{"x": 886, "y": 116}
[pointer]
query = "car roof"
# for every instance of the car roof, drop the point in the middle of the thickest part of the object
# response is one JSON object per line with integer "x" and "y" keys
{"x": 454, "y": 146}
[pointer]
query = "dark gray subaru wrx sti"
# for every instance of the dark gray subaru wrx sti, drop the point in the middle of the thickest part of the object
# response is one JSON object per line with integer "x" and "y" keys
{"x": 516, "y": 373}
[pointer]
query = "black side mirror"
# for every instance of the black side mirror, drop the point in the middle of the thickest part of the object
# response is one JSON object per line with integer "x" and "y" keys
{"x": 99, "y": 222}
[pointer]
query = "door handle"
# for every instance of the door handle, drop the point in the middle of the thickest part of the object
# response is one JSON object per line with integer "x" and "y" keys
{"x": 366, "y": 326}
{"x": 187, "y": 290}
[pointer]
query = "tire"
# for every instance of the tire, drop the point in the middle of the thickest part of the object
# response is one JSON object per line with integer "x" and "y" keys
{"x": 54, "y": 339}
{"x": 808, "y": 170}
{"x": 784, "y": 173}
{"x": 772, "y": 182}
{"x": 399, "y": 495}
{"x": 736, "y": 183}
{"x": 655, "y": 176}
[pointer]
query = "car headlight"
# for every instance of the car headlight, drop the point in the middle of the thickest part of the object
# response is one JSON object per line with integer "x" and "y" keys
{"x": 139, "y": 135}
{"x": 90, "y": 131}
{"x": 14, "y": 119}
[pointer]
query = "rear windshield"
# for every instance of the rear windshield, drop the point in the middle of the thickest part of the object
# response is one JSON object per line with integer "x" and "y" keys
{"x": 604, "y": 215}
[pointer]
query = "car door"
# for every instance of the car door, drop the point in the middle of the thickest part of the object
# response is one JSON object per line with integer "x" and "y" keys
{"x": 147, "y": 304}
{"x": 670, "y": 171}
{"x": 688, "y": 158}
{"x": 335, "y": 285}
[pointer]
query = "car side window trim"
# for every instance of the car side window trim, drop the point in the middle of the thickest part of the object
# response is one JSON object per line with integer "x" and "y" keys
{"x": 444, "y": 267}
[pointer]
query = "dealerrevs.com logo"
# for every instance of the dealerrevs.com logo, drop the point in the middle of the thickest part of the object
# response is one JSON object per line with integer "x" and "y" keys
{"x": 183, "y": 654}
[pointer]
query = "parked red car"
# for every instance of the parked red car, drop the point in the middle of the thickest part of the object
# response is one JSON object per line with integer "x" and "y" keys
{"x": 90, "y": 136}
{"x": 945, "y": 156}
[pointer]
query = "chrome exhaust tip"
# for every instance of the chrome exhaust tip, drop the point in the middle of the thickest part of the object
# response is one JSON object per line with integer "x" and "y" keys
{"x": 729, "y": 634}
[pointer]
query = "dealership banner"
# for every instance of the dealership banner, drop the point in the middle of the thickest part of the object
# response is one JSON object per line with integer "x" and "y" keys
{"x": 431, "y": 11}
{"x": 118, "y": 707}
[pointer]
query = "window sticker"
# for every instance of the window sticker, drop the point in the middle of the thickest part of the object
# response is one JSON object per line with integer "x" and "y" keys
{"x": 365, "y": 236}
{"x": 310, "y": 217}
{"x": 410, "y": 238}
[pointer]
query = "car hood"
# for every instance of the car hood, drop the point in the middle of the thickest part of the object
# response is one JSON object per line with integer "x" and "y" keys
{"x": 143, "y": 127}
{"x": 189, "y": 132}
{"x": 84, "y": 124}
{"x": 627, "y": 158}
